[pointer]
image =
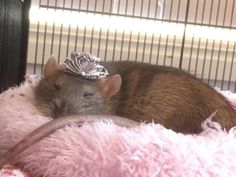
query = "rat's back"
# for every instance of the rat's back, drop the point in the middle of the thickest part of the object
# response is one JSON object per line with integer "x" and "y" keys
{"x": 168, "y": 96}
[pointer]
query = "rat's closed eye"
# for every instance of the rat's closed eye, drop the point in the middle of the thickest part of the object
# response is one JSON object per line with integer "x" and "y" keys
{"x": 56, "y": 86}
{"x": 88, "y": 94}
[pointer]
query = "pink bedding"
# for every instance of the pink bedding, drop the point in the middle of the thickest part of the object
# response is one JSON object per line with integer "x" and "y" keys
{"x": 106, "y": 150}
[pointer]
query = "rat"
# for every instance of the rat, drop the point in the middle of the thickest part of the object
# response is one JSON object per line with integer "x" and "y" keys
{"x": 51, "y": 126}
{"x": 138, "y": 91}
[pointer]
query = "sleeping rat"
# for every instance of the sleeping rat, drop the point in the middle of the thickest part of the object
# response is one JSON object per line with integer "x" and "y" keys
{"x": 138, "y": 91}
{"x": 50, "y": 127}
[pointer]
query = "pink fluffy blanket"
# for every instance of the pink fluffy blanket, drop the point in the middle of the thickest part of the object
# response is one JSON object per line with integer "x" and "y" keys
{"x": 107, "y": 150}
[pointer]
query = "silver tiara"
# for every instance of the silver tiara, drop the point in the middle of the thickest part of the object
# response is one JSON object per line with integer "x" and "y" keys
{"x": 85, "y": 65}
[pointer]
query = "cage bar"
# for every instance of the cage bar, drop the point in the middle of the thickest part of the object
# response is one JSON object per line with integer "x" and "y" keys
{"x": 210, "y": 58}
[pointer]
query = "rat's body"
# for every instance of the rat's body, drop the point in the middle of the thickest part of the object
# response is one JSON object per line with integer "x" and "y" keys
{"x": 168, "y": 96}
{"x": 165, "y": 95}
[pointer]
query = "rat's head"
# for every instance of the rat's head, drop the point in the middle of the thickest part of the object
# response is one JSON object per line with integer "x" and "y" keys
{"x": 59, "y": 94}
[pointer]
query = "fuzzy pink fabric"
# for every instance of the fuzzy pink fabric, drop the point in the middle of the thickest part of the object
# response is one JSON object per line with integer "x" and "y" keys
{"x": 106, "y": 150}
{"x": 229, "y": 95}
{"x": 11, "y": 171}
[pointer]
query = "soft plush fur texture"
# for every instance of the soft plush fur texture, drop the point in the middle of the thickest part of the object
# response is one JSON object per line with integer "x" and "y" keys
{"x": 106, "y": 150}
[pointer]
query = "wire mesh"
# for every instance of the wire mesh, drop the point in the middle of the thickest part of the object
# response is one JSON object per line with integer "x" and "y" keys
{"x": 198, "y": 36}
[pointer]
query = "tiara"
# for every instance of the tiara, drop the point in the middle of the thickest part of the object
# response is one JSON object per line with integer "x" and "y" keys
{"x": 85, "y": 65}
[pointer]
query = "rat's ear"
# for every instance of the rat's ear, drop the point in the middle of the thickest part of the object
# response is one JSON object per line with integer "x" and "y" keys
{"x": 51, "y": 67}
{"x": 109, "y": 86}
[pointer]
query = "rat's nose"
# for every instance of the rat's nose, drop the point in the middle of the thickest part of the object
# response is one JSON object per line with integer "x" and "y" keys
{"x": 61, "y": 112}
{"x": 60, "y": 109}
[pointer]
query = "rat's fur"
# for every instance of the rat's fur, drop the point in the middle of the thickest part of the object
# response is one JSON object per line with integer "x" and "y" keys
{"x": 62, "y": 94}
{"x": 166, "y": 95}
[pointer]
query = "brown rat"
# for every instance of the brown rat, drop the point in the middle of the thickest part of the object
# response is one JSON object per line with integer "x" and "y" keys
{"x": 138, "y": 91}
{"x": 50, "y": 127}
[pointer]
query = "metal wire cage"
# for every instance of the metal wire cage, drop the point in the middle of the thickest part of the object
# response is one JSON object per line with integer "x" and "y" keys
{"x": 198, "y": 36}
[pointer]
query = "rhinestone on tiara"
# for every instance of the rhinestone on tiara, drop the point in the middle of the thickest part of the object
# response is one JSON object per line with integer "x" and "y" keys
{"x": 85, "y": 65}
